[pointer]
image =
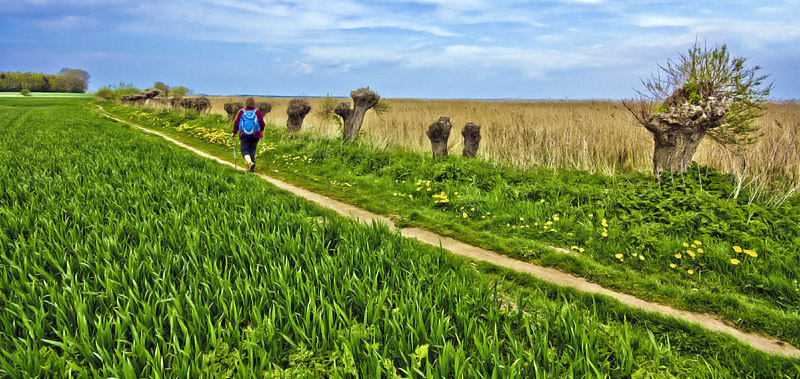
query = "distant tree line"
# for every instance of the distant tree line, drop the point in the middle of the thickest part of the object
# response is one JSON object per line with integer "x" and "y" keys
{"x": 67, "y": 80}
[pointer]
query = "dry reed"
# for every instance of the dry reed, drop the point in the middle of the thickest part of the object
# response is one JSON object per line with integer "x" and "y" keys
{"x": 595, "y": 136}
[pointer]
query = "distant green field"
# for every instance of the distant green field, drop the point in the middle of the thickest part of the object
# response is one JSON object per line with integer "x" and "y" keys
{"x": 47, "y": 94}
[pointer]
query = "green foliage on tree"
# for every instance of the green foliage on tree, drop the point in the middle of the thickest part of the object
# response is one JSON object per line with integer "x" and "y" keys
{"x": 25, "y": 92}
{"x": 178, "y": 92}
{"x": 161, "y": 87}
{"x": 116, "y": 91}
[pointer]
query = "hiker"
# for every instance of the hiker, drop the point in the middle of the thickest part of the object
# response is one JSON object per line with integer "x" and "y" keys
{"x": 249, "y": 123}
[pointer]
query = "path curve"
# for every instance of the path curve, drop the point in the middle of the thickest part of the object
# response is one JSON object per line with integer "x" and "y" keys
{"x": 759, "y": 342}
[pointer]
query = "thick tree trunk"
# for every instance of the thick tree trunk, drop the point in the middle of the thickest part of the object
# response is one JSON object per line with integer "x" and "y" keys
{"x": 674, "y": 150}
{"x": 297, "y": 111}
{"x": 232, "y": 109}
{"x": 263, "y": 107}
{"x": 439, "y": 133}
{"x": 472, "y": 138}
{"x": 678, "y": 131}
{"x": 363, "y": 100}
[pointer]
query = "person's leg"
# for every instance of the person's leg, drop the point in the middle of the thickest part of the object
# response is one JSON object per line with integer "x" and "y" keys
{"x": 249, "y": 151}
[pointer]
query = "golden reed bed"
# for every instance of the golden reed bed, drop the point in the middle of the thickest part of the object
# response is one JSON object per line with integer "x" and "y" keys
{"x": 596, "y": 136}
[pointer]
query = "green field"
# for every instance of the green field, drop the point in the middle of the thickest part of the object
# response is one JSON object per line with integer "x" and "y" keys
{"x": 125, "y": 256}
{"x": 49, "y": 94}
{"x": 683, "y": 241}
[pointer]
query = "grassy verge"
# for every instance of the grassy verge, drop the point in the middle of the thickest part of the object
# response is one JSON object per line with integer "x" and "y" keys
{"x": 683, "y": 242}
{"x": 127, "y": 257}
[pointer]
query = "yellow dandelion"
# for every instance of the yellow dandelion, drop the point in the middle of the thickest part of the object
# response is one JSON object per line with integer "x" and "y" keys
{"x": 694, "y": 246}
{"x": 672, "y": 265}
{"x": 429, "y": 189}
{"x": 699, "y": 250}
{"x": 604, "y": 234}
{"x": 549, "y": 223}
{"x": 751, "y": 253}
{"x": 698, "y": 243}
{"x": 541, "y": 200}
{"x": 635, "y": 255}
{"x": 685, "y": 244}
{"x": 641, "y": 257}
{"x": 522, "y": 218}
{"x": 535, "y": 224}
{"x": 678, "y": 255}
{"x": 419, "y": 189}
{"x": 737, "y": 249}
{"x": 508, "y": 225}
{"x": 581, "y": 250}
{"x": 483, "y": 216}
{"x": 456, "y": 193}
{"x": 619, "y": 256}
{"x": 691, "y": 253}
{"x": 735, "y": 261}
{"x": 555, "y": 218}
{"x": 690, "y": 272}
{"x": 464, "y": 215}
{"x": 591, "y": 215}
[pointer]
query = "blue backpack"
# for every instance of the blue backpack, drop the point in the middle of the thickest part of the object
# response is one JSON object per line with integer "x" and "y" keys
{"x": 248, "y": 123}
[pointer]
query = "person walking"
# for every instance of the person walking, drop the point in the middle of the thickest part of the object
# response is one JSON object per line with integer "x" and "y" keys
{"x": 249, "y": 123}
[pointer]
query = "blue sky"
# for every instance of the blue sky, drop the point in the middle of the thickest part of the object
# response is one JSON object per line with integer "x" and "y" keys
{"x": 559, "y": 49}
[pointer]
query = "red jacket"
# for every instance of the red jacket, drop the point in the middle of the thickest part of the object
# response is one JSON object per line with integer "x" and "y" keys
{"x": 260, "y": 122}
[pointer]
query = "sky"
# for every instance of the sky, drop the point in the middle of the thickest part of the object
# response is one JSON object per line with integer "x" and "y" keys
{"x": 479, "y": 49}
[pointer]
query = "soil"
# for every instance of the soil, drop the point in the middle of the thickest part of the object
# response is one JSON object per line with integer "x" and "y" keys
{"x": 766, "y": 344}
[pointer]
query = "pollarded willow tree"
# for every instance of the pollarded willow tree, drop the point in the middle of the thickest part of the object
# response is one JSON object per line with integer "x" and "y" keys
{"x": 705, "y": 92}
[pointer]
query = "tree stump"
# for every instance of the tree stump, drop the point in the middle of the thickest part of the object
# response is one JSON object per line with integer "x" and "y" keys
{"x": 363, "y": 100}
{"x": 264, "y": 107}
{"x": 439, "y": 133}
{"x": 678, "y": 131}
{"x": 297, "y": 111}
{"x": 232, "y": 109}
{"x": 472, "y": 138}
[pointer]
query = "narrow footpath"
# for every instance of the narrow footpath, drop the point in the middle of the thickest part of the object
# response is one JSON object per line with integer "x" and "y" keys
{"x": 763, "y": 343}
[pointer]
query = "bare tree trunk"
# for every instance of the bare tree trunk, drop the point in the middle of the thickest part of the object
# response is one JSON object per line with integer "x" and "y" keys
{"x": 297, "y": 111}
{"x": 439, "y": 133}
{"x": 472, "y": 138}
{"x": 264, "y": 108}
{"x": 674, "y": 150}
{"x": 363, "y": 100}
{"x": 678, "y": 130}
{"x": 232, "y": 109}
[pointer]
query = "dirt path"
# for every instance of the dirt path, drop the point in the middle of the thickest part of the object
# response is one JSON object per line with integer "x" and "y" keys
{"x": 766, "y": 344}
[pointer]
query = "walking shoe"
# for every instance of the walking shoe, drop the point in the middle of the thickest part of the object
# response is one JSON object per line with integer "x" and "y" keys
{"x": 252, "y": 167}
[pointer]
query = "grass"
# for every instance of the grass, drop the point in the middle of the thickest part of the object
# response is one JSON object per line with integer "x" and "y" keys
{"x": 625, "y": 232}
{"x": 125, "y": 256}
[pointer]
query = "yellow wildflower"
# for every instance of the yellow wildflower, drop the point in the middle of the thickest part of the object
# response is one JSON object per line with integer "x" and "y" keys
{"x": 737, "y": 249}
{"x": 699, "y": 250}
{"x": 429, "y": 189}
{"x": 464, "y": 215}
{"x": 698, "y": 243}
{"x": 678, "y": 255}
{"x": 672, "y": 265}
{"x": 690, "y": 272}
{"x": 691, "y": 253}
{"x": 555, "y": 218}
{"x": 751, "y": 253}
{"x": 694, "y": 246}
{"x": 619, "y": 256}
{"x": 641, "y": 257}
{"x": 685, "y": 244}
{"x": 735, "y": 261}
{"x": 604, "y": 234}
{"x": 591, "y": 215}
